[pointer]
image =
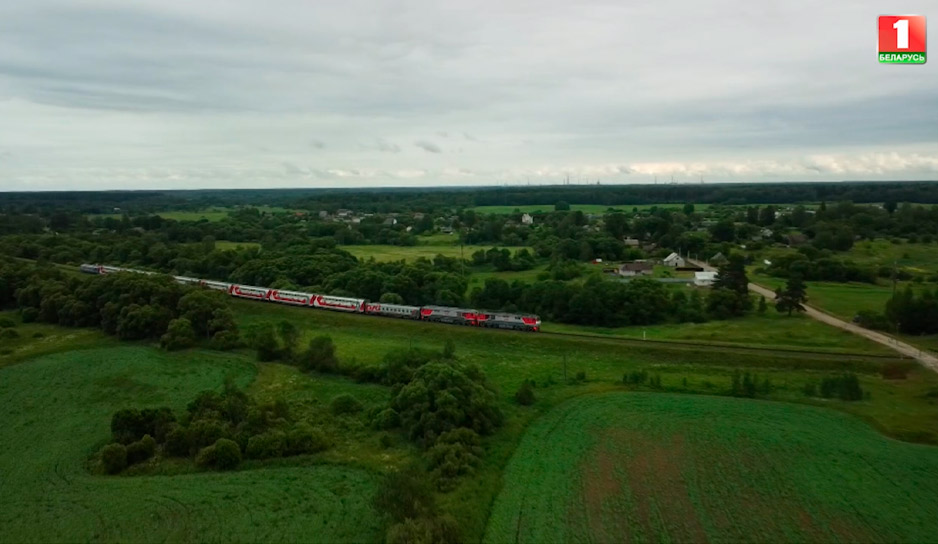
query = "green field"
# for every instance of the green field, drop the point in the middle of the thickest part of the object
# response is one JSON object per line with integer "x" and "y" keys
{"x": 770, "y": 330}
{"x": 410, "y": 253}
{"x": 670, "y": 468}
{"x": 56, "y": 411}
{"x": 918, "y": 257}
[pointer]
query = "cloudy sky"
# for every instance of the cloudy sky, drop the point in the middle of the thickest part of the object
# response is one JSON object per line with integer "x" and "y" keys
{"x": 211, "y": 94}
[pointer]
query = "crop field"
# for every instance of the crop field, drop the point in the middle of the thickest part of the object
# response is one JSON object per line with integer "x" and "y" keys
{"x": 56, "y": 411}
{"x": 627, "y": 467}
{"x": 411, "y": 253}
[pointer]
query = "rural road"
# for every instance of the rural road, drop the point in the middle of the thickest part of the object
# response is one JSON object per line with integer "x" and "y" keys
{"x": 928, "y": 361}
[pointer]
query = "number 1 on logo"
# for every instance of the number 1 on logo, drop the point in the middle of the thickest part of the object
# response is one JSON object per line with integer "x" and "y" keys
{"x": 902, "y": 33}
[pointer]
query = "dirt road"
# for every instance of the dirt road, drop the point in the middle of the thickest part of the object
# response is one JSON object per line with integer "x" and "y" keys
{"x": 928, "y": 361}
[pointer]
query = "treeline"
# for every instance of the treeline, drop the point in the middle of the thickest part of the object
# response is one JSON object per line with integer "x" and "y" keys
{"x": 217, "y": 430}
{"x": 430, "y": 198}
{"x": 129, "y": 306}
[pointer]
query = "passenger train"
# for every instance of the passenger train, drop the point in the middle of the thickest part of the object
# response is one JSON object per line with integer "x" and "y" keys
{"x": 439, "y": 314}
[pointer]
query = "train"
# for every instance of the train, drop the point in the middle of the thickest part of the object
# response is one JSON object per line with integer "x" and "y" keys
{"x": 437, "y": 314}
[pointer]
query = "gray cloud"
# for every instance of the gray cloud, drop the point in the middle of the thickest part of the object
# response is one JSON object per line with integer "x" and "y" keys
{"x": 429, "y": 147}
{"x": 180, "y": 94}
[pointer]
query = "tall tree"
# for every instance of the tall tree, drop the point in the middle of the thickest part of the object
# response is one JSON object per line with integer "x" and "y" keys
{"x": 791, "y": 298}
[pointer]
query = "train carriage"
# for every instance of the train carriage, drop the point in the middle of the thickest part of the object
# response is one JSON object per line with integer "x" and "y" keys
{"x": 393, "y": 310}
{"x": 341, "y": 304}
{"x": 216, "y": 285}
{"x": 445, "y": 314}
{"x": 185, "y": 280}
{"x": 291, "y": 297}
{"x": 90, "y": 268}
{"x": 249, "y": 291}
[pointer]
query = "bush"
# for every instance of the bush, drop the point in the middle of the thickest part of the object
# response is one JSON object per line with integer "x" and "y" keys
{"x": 320, "y": 355}
{"x": 455, "y": 454}
{"x": 386, "y": 419}
{"x": 581, "y": 376}
{"x": 114, "y": 458}
{"x": 444, "y": 396}
{"x": 305, "y": 439}
{"x": 525, "y": 394}
{"x": 205, "y": 432}
{"x": 227, "y": 454}
{"x": 177, "y": 442}
{"x": 141, "y": 450}
{"x": 7, "y": 323}
{"x": 345, "y": 404}
{"x": 179, "y": 335}
{"x": 441, "y": 529}
{"x": 405, "y": 494}
{"x": 266, "y": 445}
{"x": 845, "y": 387}
{"x": 226, "y": 340}
{"x": 38, "y": 335}
{"x": 206, "y": 456}
{"x": 29, "y": 315}
{"x": 9, "y": 334}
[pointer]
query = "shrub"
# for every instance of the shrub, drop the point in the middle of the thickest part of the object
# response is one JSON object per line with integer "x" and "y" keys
{"x": 9, "y": 333}
{"x": 206, "y": 456}
{"x": 266, "y": 445}
{"x": 7, "y": 323}
{"x": 227, "y": 454}
{"x": 385, "y": 441}
{"x": 127, "y": 425}
{"x": 320, "y": 355}
{"x": 345, "y": 404}
{"x": 581, "y": 376}
{"x": 38, "y": 335}
{"x": 114, "y": 458}
{"x": 525, "y": 394}
{"x": 177, "y": 442}
{"x": 443, "y": 396}
{"x": 428, "y": 529}
{"x": 141, "y": 450}
{"x": 29, "y": 315}
{"x": 305, "y": 439}
{"x": 845, "y": 387}
{"x": 405, "y": 494}
{"x": 205, "y": 432}
{"x": 455, "y": 454}
{"x": 449, "y": 349}
{"x": 226, "y": 340}
{"x": 179, "y": 335}
{"x": 386, "y": 419}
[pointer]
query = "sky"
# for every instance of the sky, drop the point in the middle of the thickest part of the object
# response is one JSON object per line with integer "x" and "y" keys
{"x": 176, "y": 94}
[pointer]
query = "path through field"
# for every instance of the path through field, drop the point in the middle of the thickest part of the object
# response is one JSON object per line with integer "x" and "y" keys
{"x": 928, "y": 361}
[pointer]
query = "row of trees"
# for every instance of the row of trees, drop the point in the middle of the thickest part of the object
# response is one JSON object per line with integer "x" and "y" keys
{"x": 130, "y": 306}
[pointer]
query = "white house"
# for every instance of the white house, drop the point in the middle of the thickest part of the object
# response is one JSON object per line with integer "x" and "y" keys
{"x": 631, "y": 242}
{"x": 527, "y": 219}
{"x": 674, "y": 260}
{"x": 636, "y": 268}
{"x": 705, "y": 279}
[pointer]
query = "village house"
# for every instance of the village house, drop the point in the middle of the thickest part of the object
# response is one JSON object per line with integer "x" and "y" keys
{"x": 674, "y": 260}
{"x": 636, "y": 268}
{"x": 631, "y": 242}
{"x": 527, "y": 219}
{"x": 390, "y": 221}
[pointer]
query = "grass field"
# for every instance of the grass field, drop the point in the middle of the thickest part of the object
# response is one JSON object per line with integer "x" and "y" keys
{"x": 56, "y": 411}
{"x": 410, "y": 253}
{"x": 918, "y": 257}
{"x": 770, "y": 330}
{"x": 669, "y": 468}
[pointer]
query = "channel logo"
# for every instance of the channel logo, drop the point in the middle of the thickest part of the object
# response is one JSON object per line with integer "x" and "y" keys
{"x": 902, "y": 39}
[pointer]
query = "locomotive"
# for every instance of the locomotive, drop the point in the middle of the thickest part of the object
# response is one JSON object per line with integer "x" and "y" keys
{"x": 438, "y": 314}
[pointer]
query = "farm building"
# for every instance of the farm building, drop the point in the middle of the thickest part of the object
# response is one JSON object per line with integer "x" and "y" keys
{"x": 631, "y": 242}
{"x": 704, "y": 279}
{"x": 718, "y": 259}
{"x": 636, "y": 269}
{"x": 527, "y": 219}
{"x": 674, "y": 260}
